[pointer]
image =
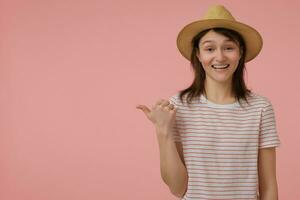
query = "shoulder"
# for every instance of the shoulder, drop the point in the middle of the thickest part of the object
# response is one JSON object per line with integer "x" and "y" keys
{"x": 174, "y": 99}
{"x": 177, "y": 100}
{"x": 260, "y": 100}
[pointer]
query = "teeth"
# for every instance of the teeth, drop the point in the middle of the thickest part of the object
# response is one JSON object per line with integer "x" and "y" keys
{"x": 220, "y": 66}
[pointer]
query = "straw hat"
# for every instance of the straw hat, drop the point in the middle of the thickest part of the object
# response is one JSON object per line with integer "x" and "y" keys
{"x": 219, "y": 16}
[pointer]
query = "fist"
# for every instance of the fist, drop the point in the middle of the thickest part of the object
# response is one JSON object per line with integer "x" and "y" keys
{"x": 162, "y": 114}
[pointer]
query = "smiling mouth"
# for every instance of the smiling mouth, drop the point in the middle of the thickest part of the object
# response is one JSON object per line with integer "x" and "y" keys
{"x": 220, "y": 66}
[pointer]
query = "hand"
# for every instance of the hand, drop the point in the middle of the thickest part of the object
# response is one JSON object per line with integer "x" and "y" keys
{"x": 162, "y": 114}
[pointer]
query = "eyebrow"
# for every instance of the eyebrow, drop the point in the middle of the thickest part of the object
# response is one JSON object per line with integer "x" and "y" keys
{"x": 206, "y": 41}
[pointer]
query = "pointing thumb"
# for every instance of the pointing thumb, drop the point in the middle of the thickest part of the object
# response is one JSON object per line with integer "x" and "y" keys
{"x": 145, "y": 109}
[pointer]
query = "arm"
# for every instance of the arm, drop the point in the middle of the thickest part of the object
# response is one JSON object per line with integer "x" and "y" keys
{"x": 267, "y": 174}
{"x": 173, "y": 171}
{"x": 172, "y": 168}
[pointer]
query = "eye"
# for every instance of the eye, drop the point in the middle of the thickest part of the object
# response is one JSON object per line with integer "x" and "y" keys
{"x": 230, "y": 48}
{"x": 209, "y": 49}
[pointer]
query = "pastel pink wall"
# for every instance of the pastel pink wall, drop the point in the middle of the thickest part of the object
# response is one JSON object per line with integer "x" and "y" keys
{"x": 72, "y": 72}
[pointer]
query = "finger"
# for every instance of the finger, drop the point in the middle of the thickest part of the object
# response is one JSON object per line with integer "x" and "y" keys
{"x": 168, "y": 108}
{"x": 171, "y": 106}
{"x": 174, "y": 110}
{"x": 165, "y": 103}
{"x": 159, "y": 102}
{"x": 144, "y": 108}
{"x": 171, "y": 111}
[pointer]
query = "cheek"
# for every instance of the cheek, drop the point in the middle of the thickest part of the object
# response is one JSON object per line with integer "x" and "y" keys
{"x": 235, "y": 56}
{"x": 207, "y": 66}
{"x": 206, "y": 60}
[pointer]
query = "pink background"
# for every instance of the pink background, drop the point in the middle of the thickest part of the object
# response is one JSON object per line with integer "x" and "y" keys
{"x": 72, "y": 72}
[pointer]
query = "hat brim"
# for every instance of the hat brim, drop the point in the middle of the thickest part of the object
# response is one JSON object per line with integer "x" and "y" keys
{"x": 252, "y": 38}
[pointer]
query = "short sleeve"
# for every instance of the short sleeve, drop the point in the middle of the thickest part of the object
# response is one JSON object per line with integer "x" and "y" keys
{"x": 268, "y": 136}
{"x": 177, "y": 138}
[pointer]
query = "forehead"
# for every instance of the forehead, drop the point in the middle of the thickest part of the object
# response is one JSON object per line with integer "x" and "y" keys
{"x": 213, "y": 37}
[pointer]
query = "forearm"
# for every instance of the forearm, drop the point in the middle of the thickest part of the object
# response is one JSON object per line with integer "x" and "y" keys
{"x": 270, "y": 193}
{"x": 173, "y": 171}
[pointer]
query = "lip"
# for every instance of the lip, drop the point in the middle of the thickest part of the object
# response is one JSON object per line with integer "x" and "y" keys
{"x": 221, "y": 68}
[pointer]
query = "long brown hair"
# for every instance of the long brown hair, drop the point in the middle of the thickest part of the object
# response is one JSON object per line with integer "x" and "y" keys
{"x": 238, "y": 84}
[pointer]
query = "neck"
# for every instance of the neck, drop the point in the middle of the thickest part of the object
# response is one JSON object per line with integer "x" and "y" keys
{"x": 219, "y": 92}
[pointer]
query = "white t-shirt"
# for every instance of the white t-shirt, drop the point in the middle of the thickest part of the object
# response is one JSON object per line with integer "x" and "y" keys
{"x": 220, "y": 145}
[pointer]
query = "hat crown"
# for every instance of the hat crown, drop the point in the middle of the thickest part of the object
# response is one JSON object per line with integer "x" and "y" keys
{"x": 218, "y": 12}
{"x": 218, "y": 16}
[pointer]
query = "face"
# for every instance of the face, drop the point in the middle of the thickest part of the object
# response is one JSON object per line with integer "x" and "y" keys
{"x": 219, "y": 57}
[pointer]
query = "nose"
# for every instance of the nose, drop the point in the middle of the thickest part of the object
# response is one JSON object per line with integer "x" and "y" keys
{"x": 220, "y": 57}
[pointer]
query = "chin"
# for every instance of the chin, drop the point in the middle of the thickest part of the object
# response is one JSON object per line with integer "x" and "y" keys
{"x": 222, "y": 80}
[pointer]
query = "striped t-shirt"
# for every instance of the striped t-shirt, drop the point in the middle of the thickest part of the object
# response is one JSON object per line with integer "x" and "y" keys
{"x": 220, "y": 145}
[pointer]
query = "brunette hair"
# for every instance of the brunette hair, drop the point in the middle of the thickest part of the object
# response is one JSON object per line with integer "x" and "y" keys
{"x": 238, "y": 84}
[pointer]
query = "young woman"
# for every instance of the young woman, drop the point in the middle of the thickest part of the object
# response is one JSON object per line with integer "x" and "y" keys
{"x": 217, "y": 138}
